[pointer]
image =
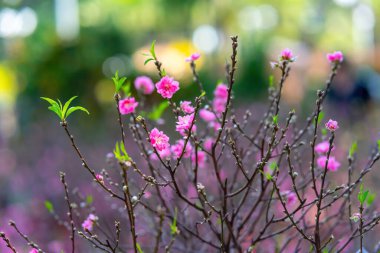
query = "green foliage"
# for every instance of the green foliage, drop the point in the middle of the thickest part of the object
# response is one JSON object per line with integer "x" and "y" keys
{"x": 173, "y": 225}
{"x": 157, "y": 111}
{"x": 152, "y": 55}
{"x": 362, "y": 195}
{"x": 127, "y": 89}
{"x": 320, "y": 117}
{"x": 118, "y": 81}
{"x": 139, "y": 248}
{"x": 378, "y": 145}
{"x": 271, "y": 81}
{"x": 89, "y": 199}
{"x": 371, "y": 198}
{"x": 275, "y": 120}
{"x": 120, "y": 153}
{"x": 63, "y": 111}
{"x": 353, "y": 149}
{"x": 49, "y": 206}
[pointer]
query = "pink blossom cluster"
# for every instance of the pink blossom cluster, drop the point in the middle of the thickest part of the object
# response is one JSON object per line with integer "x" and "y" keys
{"x": 193, "y": 57}
{"x": 335, "y": 57}
{"x": 127, "y": 105}
{"x": 167, "y": 87}
{"x": 323, "y": 148}
{"x": 219, "y": 104}
{"x": 158, "y": 139}
{"x": 89, "y": 223}
{"x": 144, "y": 84}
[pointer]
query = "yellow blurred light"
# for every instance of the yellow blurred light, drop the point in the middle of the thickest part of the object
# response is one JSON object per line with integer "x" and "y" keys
{"x": 172, "y": 55}
{"x": 8, "y": 87}
{"x": 103, "y": 89}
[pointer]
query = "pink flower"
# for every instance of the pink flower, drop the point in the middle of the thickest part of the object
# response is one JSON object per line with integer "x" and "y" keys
{"x": 322, "y": 147}
{"x": 184, "y": 123}
{"x": 219, "y": 105}
{"x": 178, "y": 147}
{"x": 167, "y": 86}
{"x": 128, "y": 105}
{"x": 206, "y": 115}
{"x": 335, "y": 57}
{"x": 221, "y": 91}
{"x": 207, "y": 145}
{"x": 332, "y": 125}
{"x": 332, "y": 165}
{"x": 88, "y": 224}
{"x": 201, "y": 158}
{"x": 290, "y": 197}
{"x": 144, "y": 84}
{"x": 100, "y": 178}
{"x": 287, "y": 55}
{"x": 33, "y": 251}
{"x": 163, "y": 154}
{"x": 193, "y": 57}
{"x": 158, "y": 139}
{"x": 186, "y": 107}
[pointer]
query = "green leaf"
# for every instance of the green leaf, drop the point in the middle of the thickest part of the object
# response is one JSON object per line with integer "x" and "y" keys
{"x": 49, "y": 206}
{"x": 127, "y": 89}
{"x": 148, "y": 60}
{"x": 139, "y": 248}
{"x": 320, "y": 117}
{"x": 173, "y": 225}
{"x": 120, "y": 153}
{"x": 118, "y": 82}
{"x": 275, "y": 119}
{"x": 378, "y": 145}
{"x": 362, "y": 195}
{"x": 75, "y": 108}
{"x": 271, "y": 81}
{"x": 157, "y": 111}
{"x": 353, "y": 148}
{"x": 152, "y": 52}
{"x": 202, "y": 94}
{"x": 54, "y": 107}
{"x": 66, "y": 106}
{"x": 89, "y": 199}
{"x": 324, "y": 131}
{"x": 273, "y": 166}
{"x": 163, "y": 72}
{"x": 371, "y": 198}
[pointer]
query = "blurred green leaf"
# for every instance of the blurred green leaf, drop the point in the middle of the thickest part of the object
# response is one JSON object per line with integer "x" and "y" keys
{"x": 152, "y": 52}
{"x": 271, "y": 81}
{"x": 173, "y": 225}
{"x": 139, "y": 248}
{"x": 371, "y": 198}
{"x": 49, "y": 206}
{"x": 76, "y": 108}
{"x": 320, "y": 117}
{"x": 353, "y": 148}
{"x": 89, "y": 199}
{"x": 157, "y": 111}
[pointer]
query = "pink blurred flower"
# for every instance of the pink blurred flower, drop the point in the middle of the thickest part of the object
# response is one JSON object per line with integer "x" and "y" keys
{"x": 219, "y": 105}
{"x": 128, "y": 105}
{"x": 158, "y": 139}
{"x": 178, "y": 147}
{"x": 287, "y": 55}
{"x": 332, "y": 165}
{"x": 163, "y": 154}
{"x": 167, "y": 86}
{"x": 332, "y": 125}
{"x": 88, "y": 224}
{"x": 322, "y": 147}
{"x": 186, "y": 107}
{"x": 202, "y": 158}
{"x": 221, "y": 91}
{"x": 335, "y": 57}
{"x": 207, "y": 145}
{"x": 206, "y": 115}
{"x": 144, "y": 84}
{"x": 290, "y": 197}
{"x": 193, "y": 57}
{"x": 33, "y": 251}
{"x": 184, "y": 123}
{"x": 100, "y": 178}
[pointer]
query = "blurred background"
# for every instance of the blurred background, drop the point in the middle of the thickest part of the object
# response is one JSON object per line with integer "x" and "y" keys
{"x": 61, "y": 48}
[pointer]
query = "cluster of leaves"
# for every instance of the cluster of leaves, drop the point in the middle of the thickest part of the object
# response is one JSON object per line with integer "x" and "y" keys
{"x": 63, "y": 111}
{"x": 120, "y": 153}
